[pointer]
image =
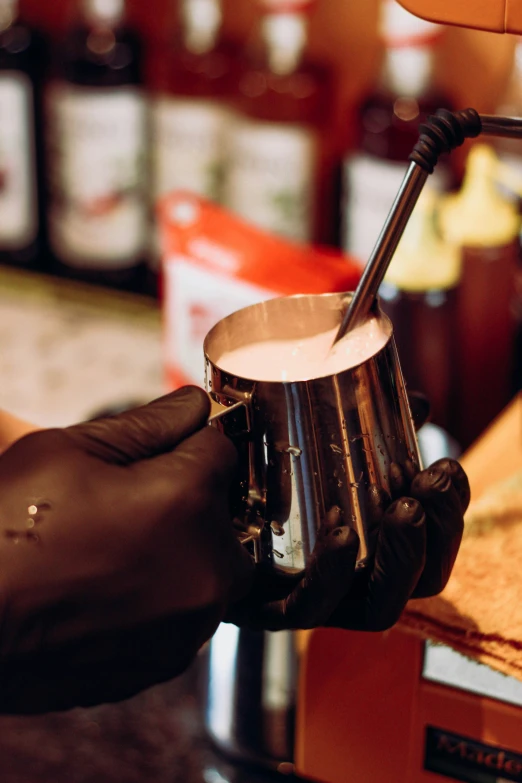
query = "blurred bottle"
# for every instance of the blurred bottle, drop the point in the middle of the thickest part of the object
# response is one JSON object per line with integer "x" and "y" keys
{"x": 98, "y": 212}
{"x": 192, "y": 117}
{"x": 388, "y": 120}
{"x": 22, "y": 66}
{"x": 510, "y": 104}
{"x": 510, "y": 153}
{"x": 280, "y": 173}
{"x": 485, "y": 224}
{"x": 419, "y": 294}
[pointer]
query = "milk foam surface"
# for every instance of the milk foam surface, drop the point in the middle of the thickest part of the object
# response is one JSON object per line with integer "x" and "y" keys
{"x": 311, "y": 357}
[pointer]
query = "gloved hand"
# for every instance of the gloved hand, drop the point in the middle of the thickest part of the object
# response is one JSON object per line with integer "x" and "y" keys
{"x": 117, "y": 554}
{"x": 421, "y": 529}
{"x": 418, "y": 542}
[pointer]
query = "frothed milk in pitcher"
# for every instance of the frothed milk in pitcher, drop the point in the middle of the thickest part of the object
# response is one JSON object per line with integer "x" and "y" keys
{"x": 316, "y": 425}
{"x": 310, "y": 357}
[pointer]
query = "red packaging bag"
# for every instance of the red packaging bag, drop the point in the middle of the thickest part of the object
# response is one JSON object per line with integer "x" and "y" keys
{"x": 214, "y": 263}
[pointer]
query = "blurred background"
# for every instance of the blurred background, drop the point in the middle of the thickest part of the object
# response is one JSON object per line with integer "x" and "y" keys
{"x": 275, "y": 135}
{"x": 296, "y": 116}
{"x": 474, "y": 65}
{"x": 107, "y": 73}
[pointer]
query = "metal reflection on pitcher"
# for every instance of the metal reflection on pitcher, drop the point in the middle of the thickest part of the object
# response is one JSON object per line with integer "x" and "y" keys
{"x": 314, "y": 428}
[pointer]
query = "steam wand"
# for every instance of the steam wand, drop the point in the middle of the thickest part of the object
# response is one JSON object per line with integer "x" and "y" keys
{"x": 441, "y": 133}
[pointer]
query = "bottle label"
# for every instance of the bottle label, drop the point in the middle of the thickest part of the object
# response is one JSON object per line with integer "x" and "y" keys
{"x": 190, "y": 146}
{"x": 18, "y": 195}
{"x": 98, "y": 212}
{"x": 271, "y": 179}
{"x": 370, "y": 188}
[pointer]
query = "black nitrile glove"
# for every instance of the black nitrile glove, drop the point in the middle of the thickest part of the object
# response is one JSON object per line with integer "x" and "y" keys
{"x": 418, "y": 542}
{"x": 117, "y": 554}
{"x": 420, "y": 533}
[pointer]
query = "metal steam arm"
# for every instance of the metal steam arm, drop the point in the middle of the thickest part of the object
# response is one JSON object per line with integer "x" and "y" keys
{"x": 440, "y": 134}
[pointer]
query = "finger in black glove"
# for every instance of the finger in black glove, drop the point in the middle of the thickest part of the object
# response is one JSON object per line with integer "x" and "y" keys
{"x": 419, "y": 537}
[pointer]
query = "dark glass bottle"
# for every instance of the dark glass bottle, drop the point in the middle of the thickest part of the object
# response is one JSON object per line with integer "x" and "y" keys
{"x": 22, "y": 67}
{"x": 485, "y": 225}
{"x": 510, "y": 152}
{"x": 281, "y": 168}
{"x": 192, "y": 114}
{"x": 191, "y": 111}
{"x": 387, "y": 127}
{"x": 419, "y": 294}
{"x": 98, "y": 212}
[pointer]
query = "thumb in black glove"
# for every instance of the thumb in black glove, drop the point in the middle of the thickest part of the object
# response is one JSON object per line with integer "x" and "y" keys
{"x": 117, "y": 554}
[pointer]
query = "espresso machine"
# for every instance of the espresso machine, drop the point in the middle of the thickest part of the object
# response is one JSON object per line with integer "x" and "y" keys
{"x": 335, "y": 706}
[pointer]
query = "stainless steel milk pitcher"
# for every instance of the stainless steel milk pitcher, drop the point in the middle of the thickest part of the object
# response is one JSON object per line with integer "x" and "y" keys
{"x": 308, "y": 446}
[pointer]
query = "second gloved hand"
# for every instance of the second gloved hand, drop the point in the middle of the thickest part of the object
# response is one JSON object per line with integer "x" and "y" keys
{"x": 419, "y": 538}
{"x": 117, "y": 554}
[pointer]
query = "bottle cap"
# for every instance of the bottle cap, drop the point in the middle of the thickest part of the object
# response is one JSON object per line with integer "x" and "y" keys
{"x": 202, "y": 21}
{"x": 104, "y": 10}
{"x": 286, "y": 6}
{"x": 285, "y": 36}
{"x": 399, "y": 28}
{"x": 423, "y": 261}
{"x": 480, "y": 216}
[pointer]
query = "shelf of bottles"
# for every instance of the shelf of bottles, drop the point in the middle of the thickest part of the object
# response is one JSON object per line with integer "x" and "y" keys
{"x": 88, "y": 150}
{"x": 89, "y": 143}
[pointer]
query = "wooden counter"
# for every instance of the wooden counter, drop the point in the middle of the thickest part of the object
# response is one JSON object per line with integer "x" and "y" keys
{"x": 497, "y": 454}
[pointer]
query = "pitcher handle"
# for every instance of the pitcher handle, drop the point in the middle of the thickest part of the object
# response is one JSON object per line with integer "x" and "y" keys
{"x": 237, "y": 427}
{"x": 218, "y": 411}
